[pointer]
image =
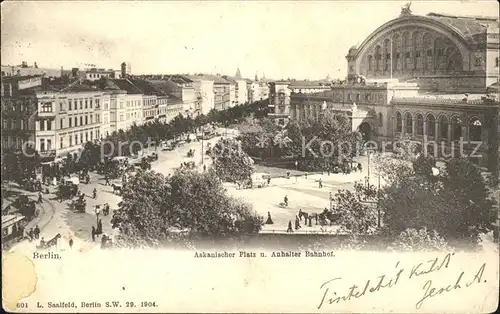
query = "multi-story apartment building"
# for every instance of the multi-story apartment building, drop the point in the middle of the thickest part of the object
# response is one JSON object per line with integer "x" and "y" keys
{"x": 154, "y": 101}
{"x": 62, "y": 117}
{"x": 257, "y": 90}
{"x": 25, "y": 70}
{"x": 279, "y": 101}
{"x": 19, "y": 109}
{"x": 178, "y": 86}
{"x": 94, "y": 74}
{"x": 425, "y": 78}
{"x": 204, "y": 93}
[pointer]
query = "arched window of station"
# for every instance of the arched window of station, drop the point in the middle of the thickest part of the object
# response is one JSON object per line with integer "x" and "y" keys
{"x": 387, "y": 54}
{"x": 380, "y": 119}
{"x": 396, "y": 52}
{"x": 399, "y": 122}
{"x": 409, "y": 123}
{"x": 417, "y": 44}
{"x": 370, "y": 63}
{"x": 439, "y": 55}
{"x": 443, "y": 128}
{"x": 427, "y": 52}
{"x": 420, "y": 124}
{"x": 456, "y": 128}
{"x": 475, "y": 130}
{"x": 378, "y": 58}
{"x": 406, "y": 51}
{"x": 431, "y": 126}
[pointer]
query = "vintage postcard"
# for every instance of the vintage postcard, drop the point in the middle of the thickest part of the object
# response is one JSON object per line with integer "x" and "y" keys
{"x": 250, "y": 156}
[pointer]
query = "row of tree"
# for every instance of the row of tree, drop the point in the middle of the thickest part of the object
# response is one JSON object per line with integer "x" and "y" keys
{"x": 18, "y": 166}
{"x": 317, "y": 144}
{"x": 156, "y": 210}
{"x": 422, "y": 205}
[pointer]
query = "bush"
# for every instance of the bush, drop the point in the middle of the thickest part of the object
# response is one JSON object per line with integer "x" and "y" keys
{"x": 419, "y": 240}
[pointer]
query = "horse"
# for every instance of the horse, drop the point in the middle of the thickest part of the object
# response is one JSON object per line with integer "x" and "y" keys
{"x": 116, "y": 188}
{"x": 326, "y": 214}
{"x": 303, "y": 214}
{"x": 52, "y": 242}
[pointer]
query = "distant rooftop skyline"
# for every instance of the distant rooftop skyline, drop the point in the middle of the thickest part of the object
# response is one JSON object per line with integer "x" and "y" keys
{"x": 303, "y": 40}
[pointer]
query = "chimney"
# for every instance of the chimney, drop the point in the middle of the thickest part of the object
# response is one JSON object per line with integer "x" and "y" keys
{"x": 124, "y": 70}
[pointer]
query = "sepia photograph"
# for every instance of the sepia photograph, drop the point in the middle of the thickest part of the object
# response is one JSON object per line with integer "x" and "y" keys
{"x": 250, "y": 156}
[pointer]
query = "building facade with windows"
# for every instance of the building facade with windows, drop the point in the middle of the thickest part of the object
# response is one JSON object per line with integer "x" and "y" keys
{"x": 424, "y": 78}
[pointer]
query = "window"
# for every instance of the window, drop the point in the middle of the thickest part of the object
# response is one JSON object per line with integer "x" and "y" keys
{"x": 417, "y": 54}
{"x": 69, "y": 104}
{"x": 408, "y": 55}
{"x": 399, "y": 122}
{"x": 76, "y": 121}
{"x": 86, "y": 103}
{"x": 49, "y": 144}
{"x": 86, "y": 136}
{"x": 357, "y": 97}
{"x": 90, "y": 101}
{"x": 70, "y": 122}
{"x": 443, "y": 127}
{"x": 409, "y": 123}
{"x": 42, "y": 144}
{"x": 420, "y": 124}
{"x": 81, "y": 103}
{"x": 370, "y": 60}
{"x": 496, "y": 62}
{"x": 49, "y": 125}
{"x": 475, "y": 129}
{"x": 380, "y": 119}
{"x": 61, "y": 142}
{"x": 456, "y": 128}
{"x": 429, "y": 53}
{"x": 47, "y": 107}
{"x": 398, "y": 55}
{"x": 388, "y": 56}
{"x": 431, "y": 125}
{"x": 76, "y": 139}
{"x": 42, "y": 125}
{"x": 81, "y": 120}
{"x": 97, "y": 118}
{"x": 81, "y": 138}
{"x": 61, "y": 107}
{"x": 91, "y": 118}
{"x": 86, "y": 120}
{"x": 61, "y": 126}
{"x": 91, "y": 135}
{"x": 71, "y": 140}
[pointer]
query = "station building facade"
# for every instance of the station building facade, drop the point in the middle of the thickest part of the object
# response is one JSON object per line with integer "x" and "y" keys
{"x": 430, "y": 78}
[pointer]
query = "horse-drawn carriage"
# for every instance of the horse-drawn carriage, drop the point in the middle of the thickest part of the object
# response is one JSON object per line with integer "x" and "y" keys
{"x": 152, "y": 157}
{"x": 69, "y": 188}
{"x": 49, "y": 244}
{"x": 190, "y": 153}
{"x": 79, "y": 204}
{"x": 26, "y": 206}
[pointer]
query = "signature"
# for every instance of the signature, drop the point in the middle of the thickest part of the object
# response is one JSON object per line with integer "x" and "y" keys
{"x": 431, "y": 292}
{"x": 330, "y": 295}
{"x": 356, "y": 291}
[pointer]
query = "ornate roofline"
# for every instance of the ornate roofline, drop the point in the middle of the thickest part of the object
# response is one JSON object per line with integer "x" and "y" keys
{"x": 403, "y": 20}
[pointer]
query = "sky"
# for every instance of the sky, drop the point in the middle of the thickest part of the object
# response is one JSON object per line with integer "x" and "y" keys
{"x": 281, "y": 39}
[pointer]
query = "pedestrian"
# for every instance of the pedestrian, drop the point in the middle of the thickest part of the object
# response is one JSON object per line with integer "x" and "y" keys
{"x": 70, "y": 243}
{"x": 103, "y": 241}
{"x": 99, "y": 226}
{"x": 289, "y": 227}
{"x": 285, "y": 200}
{"x": 310, "y": 221}
{"x": 306, "y": 175}
{"x": 107, "y": 180}
{"x": 42, "y": 243}
{"x": 320, "y": 183}
{"x": 360, "y": 167}
{"x": 31, "y": 234}
{"x": 37, "y": 232}
{"x": 288, "y": 174}
{"x": 40, "y": 200}
{"x": 297, "y": 223}
{"x": 93, "y": 234}
{"x": 269, "y": 220}
{"x": 268, "y": 180}
{"x": 204, "y": 168}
